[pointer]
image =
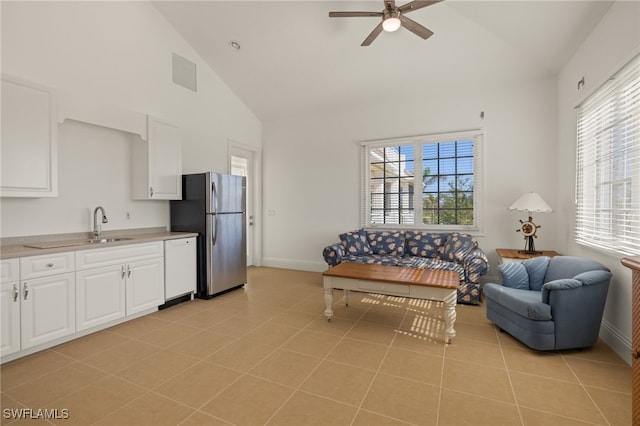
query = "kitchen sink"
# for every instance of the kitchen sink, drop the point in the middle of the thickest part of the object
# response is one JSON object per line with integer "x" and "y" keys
{"x": 106, "y": 240}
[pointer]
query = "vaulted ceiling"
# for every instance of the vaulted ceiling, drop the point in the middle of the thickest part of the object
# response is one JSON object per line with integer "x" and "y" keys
{"x": 294, "y": 59}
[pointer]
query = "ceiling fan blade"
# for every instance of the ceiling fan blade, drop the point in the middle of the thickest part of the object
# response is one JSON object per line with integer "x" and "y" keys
{"x": 375, "y": 33}
{"x": 353, "y": 14}
{"x": 415, "y": 5}
{"x": 415, "y": 28}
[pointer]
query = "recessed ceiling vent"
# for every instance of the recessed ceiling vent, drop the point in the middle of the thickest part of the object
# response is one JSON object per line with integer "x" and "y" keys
{"x": 184, "y": 72}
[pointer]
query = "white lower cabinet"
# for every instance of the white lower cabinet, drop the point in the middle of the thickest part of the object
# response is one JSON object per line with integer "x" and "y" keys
{"x": 100, "y": 296}
{"x": 129, "y": 280}
{"x": 49, "y": 298}
{"x": 36, "y": 308}
{"x": 10, "y": 317}
{"x": 145, "y": 285}
{"x": 47, "y": 309}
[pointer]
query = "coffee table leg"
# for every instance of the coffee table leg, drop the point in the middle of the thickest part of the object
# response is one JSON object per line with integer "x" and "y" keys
{"x": 347, "y": 297}
{"x": 328, "y": 300}
{"x": 450, "y": 315}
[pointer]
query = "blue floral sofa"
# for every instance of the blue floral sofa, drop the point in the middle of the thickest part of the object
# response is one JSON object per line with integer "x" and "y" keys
{"x": 449, "y": 251}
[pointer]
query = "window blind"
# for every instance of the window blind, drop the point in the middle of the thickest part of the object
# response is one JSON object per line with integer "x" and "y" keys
{"x": 608, "y": 164}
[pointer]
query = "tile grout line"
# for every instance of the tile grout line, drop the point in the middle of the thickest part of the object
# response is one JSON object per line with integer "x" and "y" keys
{"x": 317, "y": 366}
{"x": 506, "y": 368}
{"x": 584, "y": 389}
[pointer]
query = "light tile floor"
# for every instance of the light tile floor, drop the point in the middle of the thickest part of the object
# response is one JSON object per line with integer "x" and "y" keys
{"x": 266, "y": 355}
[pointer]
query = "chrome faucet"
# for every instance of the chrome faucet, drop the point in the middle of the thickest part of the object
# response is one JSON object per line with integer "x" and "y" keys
{"x": 97, "y": 228}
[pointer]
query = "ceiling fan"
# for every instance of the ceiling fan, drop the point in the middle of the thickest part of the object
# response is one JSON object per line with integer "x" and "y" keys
{"x": 392, "y": 18}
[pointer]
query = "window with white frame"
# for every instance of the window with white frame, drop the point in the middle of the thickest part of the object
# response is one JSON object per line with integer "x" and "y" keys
{"x": 429, "y": 181}
{"x": 608, "y": 165}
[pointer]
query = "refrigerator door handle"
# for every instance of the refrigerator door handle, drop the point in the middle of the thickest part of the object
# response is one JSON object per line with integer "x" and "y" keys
{"x": 214, "y": 195}
{"x": 214, "y": 226}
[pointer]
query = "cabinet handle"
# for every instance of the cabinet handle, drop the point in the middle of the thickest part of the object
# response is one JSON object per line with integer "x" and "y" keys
{"x": 16, "y": 293}
{"x": 151, "y": 191}
{"x": 26, "y": 291}
{"x": 122, "y": 273}
{"x": 49, "y": 265}
{"x": 128, "y": 271}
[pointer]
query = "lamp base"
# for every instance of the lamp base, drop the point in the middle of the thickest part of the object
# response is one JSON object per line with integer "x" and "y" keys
{"x": 530, "y": 247}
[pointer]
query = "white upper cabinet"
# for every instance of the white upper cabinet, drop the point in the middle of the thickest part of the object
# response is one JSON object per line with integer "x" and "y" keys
{"x": 29, "y": 146}
{"x": 157, "y": 163}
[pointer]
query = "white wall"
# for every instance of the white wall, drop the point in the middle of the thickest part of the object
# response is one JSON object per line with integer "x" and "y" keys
{"x": 612, "y": 43}
{"x": 312, "y": 165}
{"x": 117, "y": 53}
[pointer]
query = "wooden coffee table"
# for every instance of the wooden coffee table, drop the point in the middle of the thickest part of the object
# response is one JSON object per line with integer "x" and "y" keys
{"x": 395, "y": 281}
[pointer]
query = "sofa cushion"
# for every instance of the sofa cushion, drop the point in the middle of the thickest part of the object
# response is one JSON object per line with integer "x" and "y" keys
{"x": 429, "y": 263}
{"x": 377, "y": 259}
{"x": 424, "y": 244}
{"x": 458, "y": 247}
{"x": 386, "y": 242}
{"x": 355, "y": 242}
{"x": 514, "y": 275}
{"x": 526, "y": 303}
{"x": 536, "y": 269}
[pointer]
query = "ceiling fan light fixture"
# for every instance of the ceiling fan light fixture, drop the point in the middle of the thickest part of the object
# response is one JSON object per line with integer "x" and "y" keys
{"x": 391, "y": 24}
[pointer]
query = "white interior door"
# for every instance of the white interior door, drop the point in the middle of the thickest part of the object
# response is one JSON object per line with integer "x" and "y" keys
{"x": 243, "y": 162}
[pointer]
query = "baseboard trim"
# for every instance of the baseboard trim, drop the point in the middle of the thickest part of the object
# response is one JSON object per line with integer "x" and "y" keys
{"x": 617, "y": 341}
{"x": 299, "y": 265}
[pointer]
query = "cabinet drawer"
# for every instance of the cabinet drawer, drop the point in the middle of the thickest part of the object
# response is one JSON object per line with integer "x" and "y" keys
{"x": 86, "y": 259}
{"x": 47, "y": 264}
{"x": 384, "y": 288}
{"x": 9, "y": 270}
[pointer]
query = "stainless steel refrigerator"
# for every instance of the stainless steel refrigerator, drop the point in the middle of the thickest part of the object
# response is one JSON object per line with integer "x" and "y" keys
{"x": 214, "y": 206}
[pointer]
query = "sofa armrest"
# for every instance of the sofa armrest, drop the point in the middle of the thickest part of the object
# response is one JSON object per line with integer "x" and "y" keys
{"x": 475, "y": 265}
{"x": 333, "y": 254}
{"x": 557, "y": 285}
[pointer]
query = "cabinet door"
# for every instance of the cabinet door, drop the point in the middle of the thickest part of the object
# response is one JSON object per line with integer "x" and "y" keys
{"x": 29, "y": 163}
{"x": 165, "y": 160}
{"x": 47, "y": 309}
{"x": 157, "y": 163}
{"x": 100, "y": 296}
{"x": 145, "y": 285}
{"x": 10, "y": 317}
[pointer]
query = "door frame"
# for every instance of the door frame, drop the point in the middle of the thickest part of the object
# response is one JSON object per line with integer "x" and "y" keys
{"x": 239, "y": 149}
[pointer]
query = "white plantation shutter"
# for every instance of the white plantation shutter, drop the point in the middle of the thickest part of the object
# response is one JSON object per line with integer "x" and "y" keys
{"x": 608, "y": 165}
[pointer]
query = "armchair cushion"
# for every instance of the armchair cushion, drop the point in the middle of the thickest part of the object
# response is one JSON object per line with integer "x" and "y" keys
{"x": 536, "y": 269}
{"x": 526, "y": 303}
{"x": 514, "y": 275}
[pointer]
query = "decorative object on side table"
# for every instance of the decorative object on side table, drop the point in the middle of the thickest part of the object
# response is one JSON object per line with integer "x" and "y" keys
{"x": 530, "y": 202}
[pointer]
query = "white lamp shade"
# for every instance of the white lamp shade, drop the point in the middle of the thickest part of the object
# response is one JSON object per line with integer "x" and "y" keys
{"x": 531, "y": 202}
{"x": 391, "y": 24}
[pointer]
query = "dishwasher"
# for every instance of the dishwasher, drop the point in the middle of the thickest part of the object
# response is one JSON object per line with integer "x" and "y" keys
{"x": 179, "y": 268}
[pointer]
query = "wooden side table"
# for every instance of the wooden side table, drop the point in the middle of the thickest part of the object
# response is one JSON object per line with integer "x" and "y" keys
{"x": 514, "y": 255}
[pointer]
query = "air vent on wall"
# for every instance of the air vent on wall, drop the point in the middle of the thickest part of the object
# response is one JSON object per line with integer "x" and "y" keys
{"x": 184, "y": 72}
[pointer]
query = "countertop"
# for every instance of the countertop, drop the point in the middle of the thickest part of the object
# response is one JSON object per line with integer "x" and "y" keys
{"x": 17, "y": 246}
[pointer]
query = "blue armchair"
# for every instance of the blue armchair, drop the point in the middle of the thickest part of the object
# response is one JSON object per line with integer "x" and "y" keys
{"x": 550, "y": 303}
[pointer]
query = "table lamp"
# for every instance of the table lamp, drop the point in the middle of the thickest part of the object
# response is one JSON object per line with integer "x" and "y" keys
{"x": 530, "y": 202}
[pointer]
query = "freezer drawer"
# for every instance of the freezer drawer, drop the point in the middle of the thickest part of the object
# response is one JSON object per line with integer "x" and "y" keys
{"x": 179, "y": 267}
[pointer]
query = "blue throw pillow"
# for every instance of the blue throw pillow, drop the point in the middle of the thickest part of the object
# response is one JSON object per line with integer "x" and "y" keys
{"x": 536, "y": 269}
{"x": 355, "y": 242}
{"x": 514, "y": 275}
